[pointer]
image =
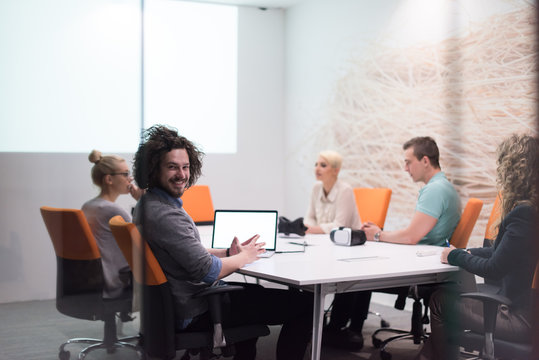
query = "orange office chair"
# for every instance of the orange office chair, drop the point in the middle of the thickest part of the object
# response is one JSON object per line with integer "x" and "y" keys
{"x": 492, "y": 230}
{"x": 459, "y": 239}
{"x": 158, "y": 335}
{"x": 464, "y": 228}
{"x": 198, "y": 204}
{"x": 372, "y": 204}
{"x": 79, "y": 280}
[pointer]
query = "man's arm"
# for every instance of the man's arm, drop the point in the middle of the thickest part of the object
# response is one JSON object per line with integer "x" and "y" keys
{"x": 233, "y": 263}
{"x": 420, "y": 226}
{"x": 220, "y": 253}
{"x": 241, "y": 255}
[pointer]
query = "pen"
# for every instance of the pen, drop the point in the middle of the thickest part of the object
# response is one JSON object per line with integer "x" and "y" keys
{"x": 298, "y": 243}
{"x": 447, "y": 243}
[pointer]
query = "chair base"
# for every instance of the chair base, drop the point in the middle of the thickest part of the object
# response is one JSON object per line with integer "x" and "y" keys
{"x": 98, "y": 344}
{"x": 401, "y": 335}
{"x": 470, "y": 341}
{"x": 383, "y": 322}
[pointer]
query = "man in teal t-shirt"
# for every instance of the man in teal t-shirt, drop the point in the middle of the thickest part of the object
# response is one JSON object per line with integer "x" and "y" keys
{"x": 438, "y": 206}
{"x": 436, "y": 215}
{"x": 439, "y": 199}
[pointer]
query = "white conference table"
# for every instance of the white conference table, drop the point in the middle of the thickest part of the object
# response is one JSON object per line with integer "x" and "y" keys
{"x": 325, "y": 268}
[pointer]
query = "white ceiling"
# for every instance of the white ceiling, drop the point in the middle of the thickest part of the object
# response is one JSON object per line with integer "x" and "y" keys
{"x": 270, "y": 4}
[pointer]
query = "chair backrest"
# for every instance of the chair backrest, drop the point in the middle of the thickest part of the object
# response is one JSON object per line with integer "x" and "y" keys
{"x": 372, "y": 204}
{"x": 130, "y": 242}
{"x": 79, "y": 274}
{"x": 464, "y": 228}
{"x": 70, "y": 233}
{"x": 198, "y": 204}
{"x": 157, "y": 306}
{"x": 492, "y": 230}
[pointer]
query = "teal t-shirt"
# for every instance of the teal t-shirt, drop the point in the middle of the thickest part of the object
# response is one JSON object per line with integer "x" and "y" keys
{"x": 439, "y": 199}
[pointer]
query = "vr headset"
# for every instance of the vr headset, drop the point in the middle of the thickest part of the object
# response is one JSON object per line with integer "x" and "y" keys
{"x": 347, "y": 237}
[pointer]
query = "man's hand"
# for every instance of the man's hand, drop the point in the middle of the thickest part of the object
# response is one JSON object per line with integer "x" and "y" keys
{"x": 240, "y": 255}
{"x": 251, "y": 249}
{"x": 235, "y": 247}
{"x": 370, "y": 229}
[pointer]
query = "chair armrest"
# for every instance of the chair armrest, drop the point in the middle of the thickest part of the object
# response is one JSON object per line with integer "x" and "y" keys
{"x": 217, "y": 289}
{"x": 215, "y": 294}
{"x": 490, "y": 307}
{"x": 488, "y": 297}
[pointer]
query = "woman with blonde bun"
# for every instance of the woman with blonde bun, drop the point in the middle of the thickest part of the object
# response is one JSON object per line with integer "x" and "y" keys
{"x": 111, "y": 174}
{"x": 332, "y": 201}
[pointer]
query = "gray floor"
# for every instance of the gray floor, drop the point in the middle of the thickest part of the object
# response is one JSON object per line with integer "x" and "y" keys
{"x": 34, "y": 330}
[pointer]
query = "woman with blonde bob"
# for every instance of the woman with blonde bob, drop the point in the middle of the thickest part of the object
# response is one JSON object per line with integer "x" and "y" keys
{"x": 111, "y": 174}
{"x": 510, "y": 262}
{"x": 332, "y": 201}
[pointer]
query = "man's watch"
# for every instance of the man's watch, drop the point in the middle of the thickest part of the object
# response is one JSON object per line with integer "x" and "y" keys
{"x": 377, "y": 236}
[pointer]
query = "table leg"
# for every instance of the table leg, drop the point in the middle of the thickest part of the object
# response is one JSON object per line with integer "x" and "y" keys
{"x": 318, "y": 320}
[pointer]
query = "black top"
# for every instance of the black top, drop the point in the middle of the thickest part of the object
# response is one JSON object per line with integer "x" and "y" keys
{"x": 511, "y": 261}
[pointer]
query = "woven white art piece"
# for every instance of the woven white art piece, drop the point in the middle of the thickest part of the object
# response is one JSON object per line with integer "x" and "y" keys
{"x": 467, "y": 92}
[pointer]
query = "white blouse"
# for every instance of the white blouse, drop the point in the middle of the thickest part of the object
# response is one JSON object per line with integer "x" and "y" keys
{"x": 336, "y": 209}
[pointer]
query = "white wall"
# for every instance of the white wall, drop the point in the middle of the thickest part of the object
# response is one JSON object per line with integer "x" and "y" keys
{"x": 30, "y": 180}
{"x": 320, "y": 35}
{"x": 257, "y": 170}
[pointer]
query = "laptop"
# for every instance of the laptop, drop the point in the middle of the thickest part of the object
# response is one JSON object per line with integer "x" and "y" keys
{"x": 244, "y": 224}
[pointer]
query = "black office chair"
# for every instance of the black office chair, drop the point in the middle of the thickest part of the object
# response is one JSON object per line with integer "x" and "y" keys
{"x": 158, "y": 336}
{"x": 79, "y": 280}
{"x": 488, "y": 346}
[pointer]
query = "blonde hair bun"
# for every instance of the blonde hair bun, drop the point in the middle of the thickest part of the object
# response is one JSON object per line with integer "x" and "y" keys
{"x": 95, "y": 156}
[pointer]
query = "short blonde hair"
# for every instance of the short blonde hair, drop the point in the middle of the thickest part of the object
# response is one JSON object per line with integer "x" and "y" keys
{"x": 334, "y": 158}
{"x": 103, "y": 165}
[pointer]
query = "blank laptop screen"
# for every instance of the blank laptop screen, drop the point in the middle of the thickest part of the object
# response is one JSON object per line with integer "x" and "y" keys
{"x": 244, "y": 224}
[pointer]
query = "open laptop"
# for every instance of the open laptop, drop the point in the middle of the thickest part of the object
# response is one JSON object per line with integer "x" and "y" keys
{"x": 244, "y": 224}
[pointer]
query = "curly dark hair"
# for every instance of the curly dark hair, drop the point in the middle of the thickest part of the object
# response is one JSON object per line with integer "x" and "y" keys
{"x": 156, "y": 142}
{"x": 518, "y": 171}
{"x": 424, "y": 146}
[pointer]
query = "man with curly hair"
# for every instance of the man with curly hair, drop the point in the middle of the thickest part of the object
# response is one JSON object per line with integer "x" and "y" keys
{"x": 166, "y": 164}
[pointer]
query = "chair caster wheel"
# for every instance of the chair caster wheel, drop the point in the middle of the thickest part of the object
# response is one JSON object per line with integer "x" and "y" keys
{"x": 376, "y": 342}
{"x": 384, "y": 355}
{"x": 384, "y": 324}
{"x": 64, "y": 355}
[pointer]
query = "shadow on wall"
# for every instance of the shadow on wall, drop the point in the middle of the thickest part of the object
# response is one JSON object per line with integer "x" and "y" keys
{"x": 11, "y": 259}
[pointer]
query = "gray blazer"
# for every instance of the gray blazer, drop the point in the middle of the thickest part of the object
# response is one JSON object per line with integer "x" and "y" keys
{"x": 175, "y": 242}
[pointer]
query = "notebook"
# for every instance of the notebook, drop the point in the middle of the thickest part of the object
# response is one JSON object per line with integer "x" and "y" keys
{"x": 244, "y": 224}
